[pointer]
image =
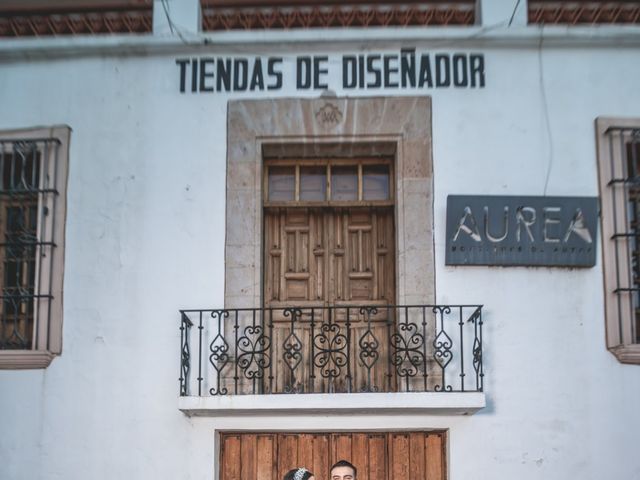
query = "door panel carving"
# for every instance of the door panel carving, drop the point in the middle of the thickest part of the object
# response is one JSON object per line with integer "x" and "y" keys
{"x": 330, "y": 257}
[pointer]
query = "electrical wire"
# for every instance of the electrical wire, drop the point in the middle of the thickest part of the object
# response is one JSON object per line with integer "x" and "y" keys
{"x": 545, "y": 110}
{"x": 173, "y": 28}
{"x": 513, "y": 14}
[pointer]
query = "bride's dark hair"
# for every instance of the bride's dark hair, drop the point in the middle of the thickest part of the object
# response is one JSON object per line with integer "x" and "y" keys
{"x": 299, "y": 473}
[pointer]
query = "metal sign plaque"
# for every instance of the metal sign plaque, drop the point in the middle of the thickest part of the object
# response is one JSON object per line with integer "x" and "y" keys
{"x": 513, "y": 230}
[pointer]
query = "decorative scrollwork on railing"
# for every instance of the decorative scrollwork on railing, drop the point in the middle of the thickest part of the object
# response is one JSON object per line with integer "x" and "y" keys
{"x": 369, "y": 349}
{"x": 292, "y": 345}
{"x": 442, "y": 345}
{"x": 254, "y": 347}
{"x": 330, "y": 350}
{"x": 407, "y": 345}
{"x": 219, "y": 356}
{"x": 185, "y": 364}
{"x": 185, "y": 355}
{"x": 292, "y": 350}
{"x": 477, "y": 355}
{"x": 476, "y": 318}
{"x": 369, "y": 346}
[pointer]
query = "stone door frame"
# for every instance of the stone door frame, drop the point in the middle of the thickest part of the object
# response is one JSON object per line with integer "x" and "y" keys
{"x": 329, "y": 126}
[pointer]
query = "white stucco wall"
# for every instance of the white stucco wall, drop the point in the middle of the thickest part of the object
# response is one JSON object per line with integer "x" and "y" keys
{"x": 145, "y": 237}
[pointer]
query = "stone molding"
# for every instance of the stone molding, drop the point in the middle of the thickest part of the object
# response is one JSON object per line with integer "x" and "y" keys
{"x": 392, "y": 124}
{"x": 47, "y": 341}
{"x": 25, "y": 359}
{"x": 627, "y": 353}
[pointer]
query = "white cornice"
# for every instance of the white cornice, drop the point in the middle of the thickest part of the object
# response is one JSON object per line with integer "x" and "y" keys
{"x": 292, "y": 41}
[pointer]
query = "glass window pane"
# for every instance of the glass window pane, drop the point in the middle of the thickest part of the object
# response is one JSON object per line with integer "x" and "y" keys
{"x": 375, "y": 182}
{"x": 282, "y": 184}
{"x": 344, "y": 183}
{"x": 313, "y": 183}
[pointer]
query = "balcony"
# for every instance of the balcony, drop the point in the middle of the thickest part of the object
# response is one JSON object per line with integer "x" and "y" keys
{"x": 402, "y": 358}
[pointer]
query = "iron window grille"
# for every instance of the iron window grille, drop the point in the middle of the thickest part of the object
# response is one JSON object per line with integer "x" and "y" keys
{"x": 32, "y": 209}
{"x": 619, "y": 168}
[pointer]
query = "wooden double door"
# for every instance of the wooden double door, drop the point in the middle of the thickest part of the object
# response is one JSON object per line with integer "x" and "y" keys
{"x": 330, "y": 262}
{"x": 376, "y": 455}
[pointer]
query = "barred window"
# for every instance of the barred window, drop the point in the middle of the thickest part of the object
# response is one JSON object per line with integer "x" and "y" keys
{"x": 619, "y": 172}
{"x": 33, "y": 166}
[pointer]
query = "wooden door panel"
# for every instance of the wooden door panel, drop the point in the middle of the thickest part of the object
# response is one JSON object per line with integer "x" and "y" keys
{"x": 341, "y": 443}
{"x": 266, "y": 468}
{"x": 363, "y": 269}
{"x": 361, "y": 257}
{"x": 384, "y": 256}
{"x": 417, "y": 455}
{"x": 313, "y": 453}
{"x": 294, "y": 257}
{"x": 287, "y": 453}
{"x": 435, "y": 458}
{"x": 359, "y": 452}
{"x": 399, "y": 455}
{"x": 329, "y": 257}
{"x": 376, "y": 455}
{"x": 248, "y": 455}
{"x": 230, "y": 464}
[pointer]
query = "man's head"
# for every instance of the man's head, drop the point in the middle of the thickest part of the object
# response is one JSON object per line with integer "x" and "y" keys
{"x": 343, "y": 470}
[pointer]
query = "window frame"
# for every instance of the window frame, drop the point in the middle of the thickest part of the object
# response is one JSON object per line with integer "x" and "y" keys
{"x": 359, "y": 163}
{"x": 47, "y": 340}
{"x": 619, "y": 314}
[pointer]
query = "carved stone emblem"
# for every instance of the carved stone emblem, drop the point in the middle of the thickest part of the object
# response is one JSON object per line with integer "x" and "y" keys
{"x": 329, "y": 115}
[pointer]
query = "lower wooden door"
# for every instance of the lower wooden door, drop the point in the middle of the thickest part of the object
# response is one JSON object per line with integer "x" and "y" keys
{"x": 376, "y": 455}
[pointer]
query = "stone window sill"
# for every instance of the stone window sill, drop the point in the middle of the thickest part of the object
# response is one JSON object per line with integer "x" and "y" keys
{"x": 25, "y": 359}
{"x": 627, "y": 353}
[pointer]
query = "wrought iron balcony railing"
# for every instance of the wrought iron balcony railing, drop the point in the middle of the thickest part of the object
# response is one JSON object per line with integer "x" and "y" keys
{"x": 401, "y": 348}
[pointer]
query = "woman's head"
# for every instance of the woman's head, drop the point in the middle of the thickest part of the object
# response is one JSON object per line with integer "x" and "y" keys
{"x": 299, "y": 473}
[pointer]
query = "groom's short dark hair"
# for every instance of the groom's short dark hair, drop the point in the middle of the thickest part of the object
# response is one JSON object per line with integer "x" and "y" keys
{"x": 344, "y": 463}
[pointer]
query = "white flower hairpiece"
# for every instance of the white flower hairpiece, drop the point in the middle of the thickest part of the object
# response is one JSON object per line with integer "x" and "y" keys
{"x": 299, "y": 475}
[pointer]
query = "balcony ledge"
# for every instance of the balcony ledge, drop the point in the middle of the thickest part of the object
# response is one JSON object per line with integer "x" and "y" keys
{"x": 404, "y": 403}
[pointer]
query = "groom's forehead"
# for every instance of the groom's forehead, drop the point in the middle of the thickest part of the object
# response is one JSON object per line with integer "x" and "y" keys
{"x": 342, "y": 470}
